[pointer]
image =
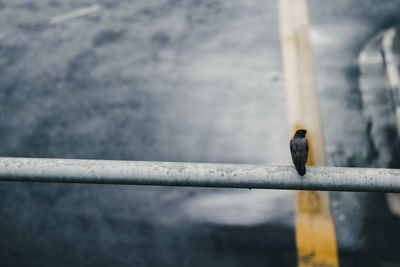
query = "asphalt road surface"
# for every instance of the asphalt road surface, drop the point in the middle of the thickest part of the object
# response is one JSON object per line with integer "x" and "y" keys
{"x": 177, "y": 81}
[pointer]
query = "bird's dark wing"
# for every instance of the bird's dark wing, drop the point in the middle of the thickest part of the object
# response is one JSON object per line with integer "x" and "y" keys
{"x": 299, "y": 150}
{"x": 306, "y": 151}
{"x": 292, "y": 146}
{"x": 293, "y": 150}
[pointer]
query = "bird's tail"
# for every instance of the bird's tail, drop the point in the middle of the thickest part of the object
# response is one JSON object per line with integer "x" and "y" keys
{"x": 301, "y": 169}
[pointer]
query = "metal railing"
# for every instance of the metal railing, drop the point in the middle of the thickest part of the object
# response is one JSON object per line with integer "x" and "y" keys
{"x": 197, "y": 174}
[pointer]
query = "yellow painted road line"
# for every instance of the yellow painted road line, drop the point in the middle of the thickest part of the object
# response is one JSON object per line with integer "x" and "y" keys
{"x": 315, "y": 229}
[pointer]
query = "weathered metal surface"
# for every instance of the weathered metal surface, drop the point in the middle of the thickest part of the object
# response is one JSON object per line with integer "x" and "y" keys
{"x": 197, "y": 174}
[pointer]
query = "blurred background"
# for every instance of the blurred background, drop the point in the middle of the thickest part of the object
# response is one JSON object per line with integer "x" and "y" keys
{"x": 188, "y": 81}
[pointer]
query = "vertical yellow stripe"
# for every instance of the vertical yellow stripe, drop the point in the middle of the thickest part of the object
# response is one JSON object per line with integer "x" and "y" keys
{"x": 315, "y": 230}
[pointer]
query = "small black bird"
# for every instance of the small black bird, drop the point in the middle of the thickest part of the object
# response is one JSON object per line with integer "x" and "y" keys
{"x": 299, "y": 150}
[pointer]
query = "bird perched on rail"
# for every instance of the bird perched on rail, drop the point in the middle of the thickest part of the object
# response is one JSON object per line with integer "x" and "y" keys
{"x": 299, "y": 151}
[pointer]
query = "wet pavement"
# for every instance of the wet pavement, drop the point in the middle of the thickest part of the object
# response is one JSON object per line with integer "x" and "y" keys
{"x": 177, "y": 81}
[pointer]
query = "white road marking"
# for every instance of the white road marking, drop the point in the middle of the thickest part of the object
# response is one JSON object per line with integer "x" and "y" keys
{"x": 244, "y": 207}
{"x": 393, "y": 200}
{"x": 74, "y": 14}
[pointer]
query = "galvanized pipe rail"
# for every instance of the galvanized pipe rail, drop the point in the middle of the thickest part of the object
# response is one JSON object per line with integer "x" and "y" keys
{"x": 197, "y": 174}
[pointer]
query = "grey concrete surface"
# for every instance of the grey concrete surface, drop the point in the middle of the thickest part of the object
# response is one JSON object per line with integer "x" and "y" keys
{"x": 176, "y": 81}
{"x": 339, "y": 34}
